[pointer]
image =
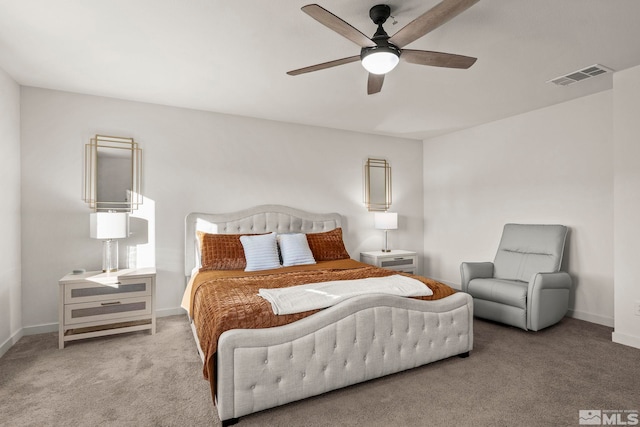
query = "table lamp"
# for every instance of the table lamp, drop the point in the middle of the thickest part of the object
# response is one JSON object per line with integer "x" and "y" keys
{"x": 385, "y": 221}
{"x": 109, "y": 226}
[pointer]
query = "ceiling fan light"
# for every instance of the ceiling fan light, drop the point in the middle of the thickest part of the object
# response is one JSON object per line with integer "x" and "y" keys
{"x": 380, "y": 61}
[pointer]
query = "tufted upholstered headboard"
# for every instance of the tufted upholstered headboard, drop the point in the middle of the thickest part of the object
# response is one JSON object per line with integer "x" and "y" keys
{"x": 259, "y": 219}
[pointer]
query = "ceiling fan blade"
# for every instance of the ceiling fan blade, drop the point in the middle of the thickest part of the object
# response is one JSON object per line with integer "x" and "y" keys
{"x": 374, "y": 84}
{"x": 430, "y": 20}
{"x": 324, "y": 65}
{"x": 437, "y": 59}
{"x": 330, "y": 20}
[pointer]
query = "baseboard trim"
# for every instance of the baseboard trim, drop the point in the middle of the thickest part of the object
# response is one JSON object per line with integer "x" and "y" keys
{"x": 590, "y": 317}
{"x": 9, "y": 342}
{"x": 53, "y": 327}
{"x": 40, "y": 329}
{"x": 580, "y": 315}
{"x": 624, "y": 339}
{"x": 170, "y": 312}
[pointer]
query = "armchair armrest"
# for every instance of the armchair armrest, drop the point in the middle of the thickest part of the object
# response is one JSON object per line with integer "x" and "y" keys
{"x": 547, "y": 299}
{"x": 474, "y": 270}
{"x": 541, "y": 281}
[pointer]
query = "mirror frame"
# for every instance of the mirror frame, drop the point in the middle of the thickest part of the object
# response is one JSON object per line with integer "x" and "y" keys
{"x": 134, "y": 199}
{"x": 371, "y": 167}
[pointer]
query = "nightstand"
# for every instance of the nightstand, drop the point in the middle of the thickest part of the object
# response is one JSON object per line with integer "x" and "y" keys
{"x": 95, "y": 304}
{"x": 399, "y": 260}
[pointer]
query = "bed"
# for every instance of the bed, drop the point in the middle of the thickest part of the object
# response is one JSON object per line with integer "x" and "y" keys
{"x": 302, "y": 355}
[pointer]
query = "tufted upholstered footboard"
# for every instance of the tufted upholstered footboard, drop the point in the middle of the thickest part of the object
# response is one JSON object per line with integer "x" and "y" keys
{"x": 360, "y": 339}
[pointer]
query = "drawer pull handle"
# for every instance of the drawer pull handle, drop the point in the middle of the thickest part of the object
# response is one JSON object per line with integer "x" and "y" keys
{"x": 110, "y": 303}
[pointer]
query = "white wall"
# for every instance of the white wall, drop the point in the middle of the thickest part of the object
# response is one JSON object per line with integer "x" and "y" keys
{"x": 626, "y": 110}
{"x": 553, "y": 165}
{"x": 10, "y": 281}
{"x": 192, "y": 161}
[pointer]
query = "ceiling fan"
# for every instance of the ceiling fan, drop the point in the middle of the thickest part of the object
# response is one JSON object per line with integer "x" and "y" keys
{"x": 381, "y": 53}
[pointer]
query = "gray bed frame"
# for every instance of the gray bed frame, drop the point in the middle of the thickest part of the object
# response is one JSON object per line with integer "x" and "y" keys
{"x": 357, "y": 340}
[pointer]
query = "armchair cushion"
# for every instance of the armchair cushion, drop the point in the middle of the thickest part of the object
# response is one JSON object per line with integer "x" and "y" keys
{"x": 509, "y": 292}
{"x": 527, "y": 249}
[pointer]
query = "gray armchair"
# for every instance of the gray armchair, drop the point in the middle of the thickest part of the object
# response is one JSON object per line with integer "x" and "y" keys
{"x": 524, "y": 286}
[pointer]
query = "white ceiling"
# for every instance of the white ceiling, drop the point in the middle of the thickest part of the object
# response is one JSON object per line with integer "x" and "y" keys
{"x": 232, "y": 56}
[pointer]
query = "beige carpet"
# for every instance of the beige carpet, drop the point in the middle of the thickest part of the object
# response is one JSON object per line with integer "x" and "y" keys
{"x": 512, "y": 378}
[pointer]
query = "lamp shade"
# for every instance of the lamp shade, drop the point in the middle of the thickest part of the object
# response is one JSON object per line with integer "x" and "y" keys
{"x": 380, "y": 61}
{"x": 385, "y": 220}
{"x": 108, "y": 225}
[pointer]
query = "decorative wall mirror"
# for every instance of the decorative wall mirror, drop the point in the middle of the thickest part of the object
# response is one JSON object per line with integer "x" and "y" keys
{"x": 377, "y": 185}
{"x": 112, "y": 174}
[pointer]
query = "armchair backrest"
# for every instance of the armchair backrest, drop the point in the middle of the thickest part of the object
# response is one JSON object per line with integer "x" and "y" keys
{"x": 526, "y": 249}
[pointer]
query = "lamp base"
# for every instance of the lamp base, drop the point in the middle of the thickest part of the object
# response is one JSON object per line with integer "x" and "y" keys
{"x": 110, "y": 256}
{"x": 386, "y": 246}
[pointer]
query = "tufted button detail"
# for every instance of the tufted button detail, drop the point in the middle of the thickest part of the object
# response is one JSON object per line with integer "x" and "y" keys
{"x": 266, "y": 361}
{"x": 304, "y": 374}
{"x": 291, "y": 356}
{"x": 278, "y": 379}
{"x": 253, "y": 386}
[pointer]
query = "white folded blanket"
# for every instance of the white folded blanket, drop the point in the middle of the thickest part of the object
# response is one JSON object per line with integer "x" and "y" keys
{"x": 312, "y": 296}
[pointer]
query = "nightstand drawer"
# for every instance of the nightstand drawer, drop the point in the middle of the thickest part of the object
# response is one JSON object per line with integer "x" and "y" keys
{"x": 88, "y": 292}
{"x": 398, "y": 262}
{"x": 112, "y": 309}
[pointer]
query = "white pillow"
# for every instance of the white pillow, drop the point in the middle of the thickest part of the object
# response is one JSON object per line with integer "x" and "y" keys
{"x": 261, "y": 252}
{"x": 294, "y": 249}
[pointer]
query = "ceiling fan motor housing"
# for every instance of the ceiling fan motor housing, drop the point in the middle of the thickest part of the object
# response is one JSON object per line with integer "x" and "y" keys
{"x": 383, "y": 46}
{"x": 379, "y": 15}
